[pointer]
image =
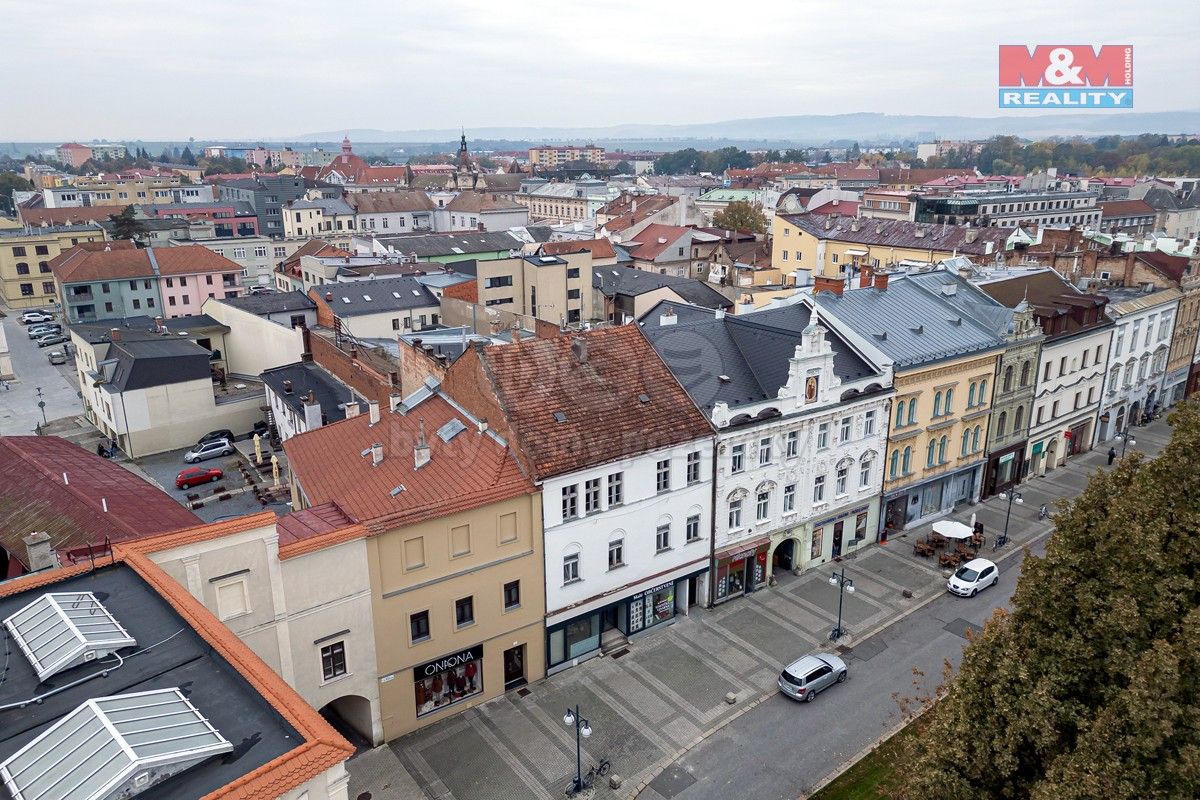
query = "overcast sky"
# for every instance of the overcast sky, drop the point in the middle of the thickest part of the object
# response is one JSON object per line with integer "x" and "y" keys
{"x": 79, "y": 69}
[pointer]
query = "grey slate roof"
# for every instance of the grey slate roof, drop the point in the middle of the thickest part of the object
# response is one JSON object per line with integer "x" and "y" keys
{"x": 909, "y": 323}
{"x": 272, "y": 302}
{"x": 143, "y": 328}
{"x": 684, "y": 312}
{"x": 157, "y": 362}
{"x": 449, "y": 245}
{"x": 357, "y": 298}
{"x": 968, "y": 299}
{"x": 631, "y": 282}
{"x": 751, "y": 351}
{"x": 330, "y": 393}
{"x": 338, "y": 207}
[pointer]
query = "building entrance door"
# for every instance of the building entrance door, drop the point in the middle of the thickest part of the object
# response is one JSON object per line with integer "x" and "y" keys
{"x": 838, "y": 528}
{"x": 514, "y": 667}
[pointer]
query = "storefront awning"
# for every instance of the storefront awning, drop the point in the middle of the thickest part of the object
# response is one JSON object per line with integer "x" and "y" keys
{"x": 952, "y": 530}
{"x": 743, "y": 547}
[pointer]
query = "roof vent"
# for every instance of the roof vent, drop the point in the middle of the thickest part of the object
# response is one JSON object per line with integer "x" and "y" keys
{"x": 950, "y": 289}
{"x": 421, "y": 453}
{"x": 61, "y": 630}
{"x": 116, "y": 746}
{"x": 723, "y": 378}
{"x": 643, "y": 397}
{"x": 396, "y": 491}
{"x": 560, "y": 416}
{"x": 450, "y": 430}
{"x": 918, "y": 330}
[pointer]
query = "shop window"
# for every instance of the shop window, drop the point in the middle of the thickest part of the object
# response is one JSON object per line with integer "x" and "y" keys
{"x": 448, "y": 680}
{"x": 818, "y": 535}
{"x": 512, "y": 595}
{"x": 333, "y": 660}
{"x": 418, "y": 626}
{"x": 693, "y": 529}
{"x": 651, "y": 608}
{"x": 464, "y": 612}
{"x": 860, "y": 527}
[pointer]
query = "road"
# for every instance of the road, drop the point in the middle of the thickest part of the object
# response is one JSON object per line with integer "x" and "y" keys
{"x": 19, "y": 412}
{"x": 781, "y": 749}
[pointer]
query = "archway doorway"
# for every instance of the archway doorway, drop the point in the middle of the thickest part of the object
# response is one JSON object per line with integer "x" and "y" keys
{"x": 1121, "y": 420}
{"x": 1052, "y": 455}
{"x": 785, "y": 556}
{"x": 1135, "y": 414}
{"x": 350, "y": 715}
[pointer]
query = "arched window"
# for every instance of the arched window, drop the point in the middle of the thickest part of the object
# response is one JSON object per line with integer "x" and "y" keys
{"x": 937, "y": 404}
{"x": 900, "y": 414}
{"x": 895, "y": 462}
{"x": 907, "y": 460}
{"x": 929, "y": 453}
{"x": 965, "y": 439}
{"x": 983, "y": 391}
{"x": 1008, "y": 378}
{"x": 942, "y": 450}
{"x": 1002, "y": 423}
{"x": 975, "y": 438}
{"x": 1018, "y": 419}
{"x": 912, "y": 411}
{"x": 971, "y": 396}
{"x": 1025, "y": 373}
{"x": 949, "y": 401}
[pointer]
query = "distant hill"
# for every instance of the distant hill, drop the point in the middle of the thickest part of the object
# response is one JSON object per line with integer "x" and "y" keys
{"x": 813, "y": 129}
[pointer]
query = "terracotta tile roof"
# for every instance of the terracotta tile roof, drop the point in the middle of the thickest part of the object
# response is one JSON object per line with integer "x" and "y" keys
{"x": 911, "y": 177}
{"x": 321, "y": 747}
{"x": 655, "y": 238}
{"x": 599, "y": 248}
{"x": 98, "y": 261}
{"x": 471, "y": 469}
{"x": 33, "y": 497}
{"x": 191, "y": 258}
{"x": 388, "y": 202}
{"x": 316, "y": 528}
{"x": 624, "y": 216}
{"x": 65, "y": 216}
{"x": 1126, "y": 208}
{"x": 537, "y": 383}
{"x": 847, "y": 208}
{"x": 901, "y": 233}
{"x": 313, "y": 247}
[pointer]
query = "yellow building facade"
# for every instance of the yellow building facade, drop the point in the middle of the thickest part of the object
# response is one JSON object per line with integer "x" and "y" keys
{"x": 26, "y": 280}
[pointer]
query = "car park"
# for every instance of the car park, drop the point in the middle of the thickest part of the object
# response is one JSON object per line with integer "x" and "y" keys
{"x": 804, "y": 678}
{"x": 30, "y": 317}
{"x": 194, "y": 476}
{"x": 52, "y": 339}
{"x": 43, "y": 328}
{"x": 973, "y": 577}
{"x": 225, "y": 433}
{"x": 210, "y": 449}
{"x": 58, "y": 357}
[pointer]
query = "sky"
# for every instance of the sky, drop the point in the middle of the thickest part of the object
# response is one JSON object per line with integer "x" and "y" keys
{"x": 81, "y": 69}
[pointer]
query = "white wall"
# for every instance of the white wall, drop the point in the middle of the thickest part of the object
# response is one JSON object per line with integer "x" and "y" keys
{"x": 1142, "y": 360}
{"x": 254, "y": 344}
{"x": 380, "y": 326}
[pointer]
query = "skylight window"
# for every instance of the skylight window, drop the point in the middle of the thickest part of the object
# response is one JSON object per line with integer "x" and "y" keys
{"x": 396, "y": 295}
{"x": 416, "y": 293}
{"x": 559, "y": 416}
{"x": 114, "y": 746}
{"x": 62, "y": 630}
{"x": 450, "y": 430}
{"x": 346, "y": 300}
{"x": 367, "y": 297}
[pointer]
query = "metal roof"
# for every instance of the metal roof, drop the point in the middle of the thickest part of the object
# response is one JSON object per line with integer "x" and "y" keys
{"x": 61, "y": 630}
{"x": 122, "y": 743}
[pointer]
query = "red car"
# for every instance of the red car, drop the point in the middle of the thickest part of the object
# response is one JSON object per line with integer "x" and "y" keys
{"x": 194, "y": 476}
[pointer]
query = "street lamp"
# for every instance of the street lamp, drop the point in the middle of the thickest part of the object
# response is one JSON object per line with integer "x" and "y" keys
{"x": 583, "y": 729}
{"x": 1012, "y": 495}
{"x": 1126, "y": 440}
{"x": 844, "y": 585}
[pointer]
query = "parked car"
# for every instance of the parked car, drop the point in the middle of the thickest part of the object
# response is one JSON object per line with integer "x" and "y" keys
{"x": 802, "y": 679}
{"x": 194, "y": 476}
{"x": 973, "y": 577}
{"x": 58, "y": 357}
{"x": 262, "y": 290}
{"x": 43, "y": 328}
{"x": 29, "y": 317}
{"x": 51, "y": 338}
{"x": 211, "y": 449}
{"x": 214, "y": 435}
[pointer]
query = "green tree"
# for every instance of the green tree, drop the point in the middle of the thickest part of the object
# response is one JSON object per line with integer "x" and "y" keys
{"x": 854, "y": 152}
{"x": 187, "y": 157}
{"x": 1090, "y": 687}
{"x": 10, "y": 182}
{"x": 741, "y": 215}
{"x": 126, "y": 225}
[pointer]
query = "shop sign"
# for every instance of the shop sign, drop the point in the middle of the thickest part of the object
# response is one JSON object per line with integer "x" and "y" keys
{"x": 1004, "y": 460}
{"x": 1037, "y": 448}
{"x": 448, "y": 662}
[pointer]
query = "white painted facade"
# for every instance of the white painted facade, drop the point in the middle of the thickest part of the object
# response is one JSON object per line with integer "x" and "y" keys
{"x": 1137, "y": 360}
{"x": 1070, "y": 378}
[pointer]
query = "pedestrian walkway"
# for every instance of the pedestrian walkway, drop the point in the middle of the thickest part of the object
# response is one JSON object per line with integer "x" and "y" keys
{"x": 668, "y": 692}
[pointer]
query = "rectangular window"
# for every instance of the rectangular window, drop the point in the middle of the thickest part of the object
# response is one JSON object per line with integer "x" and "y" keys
{"x": 571, "y": 568}
{"x": 616, "y": 490}
{"x": 823, "y": 436}
{"x": 693, "y": 528}
{"x": 819, "y": 489}
{"x": 591, "y": 496}
{"x": 616, "y": 553}
{"x": 208, "y": 280}
{"x": 847, "y": 426}
{"x": 464, "y": 611}
{"x": 570, "y": 502}
{"x": 869, "y": 424}
{"x": 735, "y": 514}
{"x": 333, "y": 660}
{"x": 764, "y": 451}
{"x": 149, "y": 302}
{"x": 860, "y": 527}
{"x": 663, "y": 476}
{"x": 789, "y": 498}
{"x": 763, "y": 506}
{"x": 662, "y": 538}
{"x": 693, "y": 467}
{"x": 737, "y": 458}
{"x": 792, "y": 444}
{"x": 418, "y": 626}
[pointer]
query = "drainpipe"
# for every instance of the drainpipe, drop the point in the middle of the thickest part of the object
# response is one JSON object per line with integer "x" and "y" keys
{"x": 883, "y": 467}
{"x": 712, "y": 528}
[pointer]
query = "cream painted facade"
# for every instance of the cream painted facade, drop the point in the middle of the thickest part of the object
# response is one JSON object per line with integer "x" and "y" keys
{"x": 426, "y": 568}
{"x": 288, "y": 609}
{"x": 937, "y": 438}
{"x": 255, "y": 344}
{"x": 25, "y": 254}
{"x": 555, "y": 289}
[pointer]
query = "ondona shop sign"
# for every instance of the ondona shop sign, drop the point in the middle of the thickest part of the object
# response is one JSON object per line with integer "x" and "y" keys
{"x": 448, "y": 662}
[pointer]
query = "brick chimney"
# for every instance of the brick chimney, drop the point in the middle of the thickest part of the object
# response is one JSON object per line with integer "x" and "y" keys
{"x": 881, "y": 281}
{"x": 823, "y": 283}
{"x": 866, "y": 276}
{"x": 38, "y": 552}
{"x": 114, "y": 335}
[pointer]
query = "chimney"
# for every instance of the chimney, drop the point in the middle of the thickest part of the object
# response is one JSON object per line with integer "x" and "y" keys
{"x": 329, "y": 297}
{"x": 633, "y": 207}
{"x": 373, "y": 411}
{"x": 720, "y": 312}
{"x": 352, "y": 409}
{"x": 866, "y": 277}
{"x": 482, "y": 424}
{"x": 970, "y": 235}
{"x": 823, "y": 283}
{"x": 881, "y": 281}
{"x": 421, "y": 454}
{"x": 667, "y": 318}
{"x": 919, "y": 232}
{"x": 853, "y": 223}
{"x": 306, "y": 340}
{"x": 114, "y": 335}
{"x": 158, "y": 324}
{"x": 516, "y": 332}
{"x": 394, "y": 401}
{"x": 579, "y": 349}
{"x": 376, "y": 454}
{"x": 37, "y": 551}
{"x": 287, "y": 387}
{"x": 312, "y": 412}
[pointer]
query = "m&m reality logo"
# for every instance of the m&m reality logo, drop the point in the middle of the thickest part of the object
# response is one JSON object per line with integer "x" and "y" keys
{"x": 1066, "y": 76}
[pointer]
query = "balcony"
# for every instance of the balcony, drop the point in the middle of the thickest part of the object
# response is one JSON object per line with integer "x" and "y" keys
{"x": 80, "y": 297}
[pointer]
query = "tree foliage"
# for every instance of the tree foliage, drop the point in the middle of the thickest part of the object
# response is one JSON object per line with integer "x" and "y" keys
{"x": 126, "y": 225}
{"x": 1090, "y": 688}
{"x": 1150, "y": 153}
{"x": 741, "y": 215}
{"x": 691, "y": 160}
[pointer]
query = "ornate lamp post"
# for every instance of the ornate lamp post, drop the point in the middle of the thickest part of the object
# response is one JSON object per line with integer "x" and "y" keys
{"x": 583, "y": 729}
{"x": 844, "y": 585}
{"x": 1012, "y": 495}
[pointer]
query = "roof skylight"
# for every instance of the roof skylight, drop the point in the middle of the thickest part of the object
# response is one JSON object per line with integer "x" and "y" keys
{"x": 61, "y": 630}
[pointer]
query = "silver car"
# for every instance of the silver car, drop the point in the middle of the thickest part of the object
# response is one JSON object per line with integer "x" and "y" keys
{"x": 207, "y": 450}
{"x": 802, "y": 679}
